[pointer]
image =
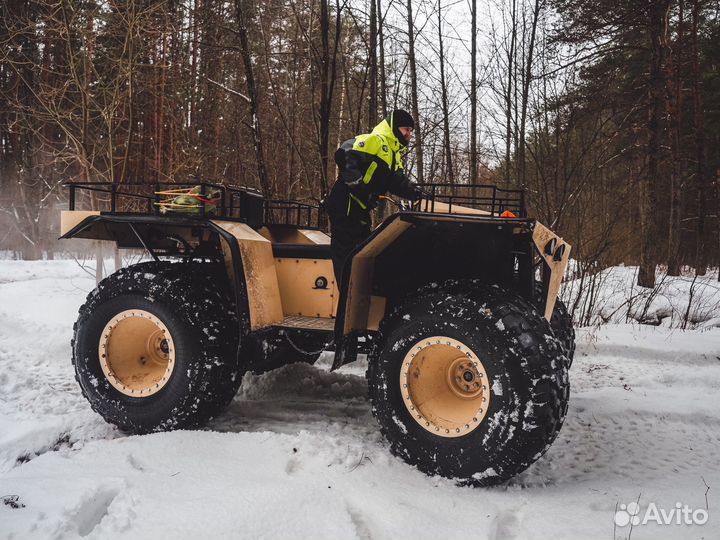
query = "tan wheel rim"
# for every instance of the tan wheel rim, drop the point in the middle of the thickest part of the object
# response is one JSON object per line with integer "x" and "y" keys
{"x": 444, "y": 386}
{"x": 137, "y": 353}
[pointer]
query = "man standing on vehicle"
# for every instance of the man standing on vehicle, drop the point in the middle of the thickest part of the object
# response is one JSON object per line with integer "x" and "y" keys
{"x": 369, "y": 166}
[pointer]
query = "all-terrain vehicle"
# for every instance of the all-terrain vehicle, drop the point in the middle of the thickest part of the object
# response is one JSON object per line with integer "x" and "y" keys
{"x": 467, "y": 350}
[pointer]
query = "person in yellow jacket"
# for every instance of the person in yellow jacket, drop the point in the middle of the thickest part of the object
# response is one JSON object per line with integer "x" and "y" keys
{"x": 369, "y": 165}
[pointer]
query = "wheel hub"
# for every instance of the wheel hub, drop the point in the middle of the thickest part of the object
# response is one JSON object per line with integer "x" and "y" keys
{"x": 464, "y": 379}
{"x": 444, "y": 386}
{"x": 137, "y": 353}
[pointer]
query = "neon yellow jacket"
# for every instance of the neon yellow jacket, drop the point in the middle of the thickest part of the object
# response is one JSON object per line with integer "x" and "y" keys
{"x": 370, "y": 165}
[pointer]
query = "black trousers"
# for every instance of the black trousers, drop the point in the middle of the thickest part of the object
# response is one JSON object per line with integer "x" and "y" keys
{"x": 345, "y": 234}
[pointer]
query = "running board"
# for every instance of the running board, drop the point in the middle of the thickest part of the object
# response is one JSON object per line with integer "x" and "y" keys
{"x": 308, "y": 323}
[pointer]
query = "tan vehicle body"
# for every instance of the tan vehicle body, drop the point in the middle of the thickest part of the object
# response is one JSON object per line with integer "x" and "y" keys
{"x": 282, "y": 291}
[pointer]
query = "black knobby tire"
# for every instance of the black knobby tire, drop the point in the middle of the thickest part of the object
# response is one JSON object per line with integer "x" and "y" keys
{"x": 526, "y": 372}
{"x": 191, "y": 301}
{"x": 562, "y": 324}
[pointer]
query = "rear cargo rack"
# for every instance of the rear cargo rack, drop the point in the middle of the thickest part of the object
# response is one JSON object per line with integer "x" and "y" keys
{"x": 231, "y": 202}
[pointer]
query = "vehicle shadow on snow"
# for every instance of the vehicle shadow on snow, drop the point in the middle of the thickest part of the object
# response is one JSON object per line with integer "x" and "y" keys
{"x": 299, "y": 397}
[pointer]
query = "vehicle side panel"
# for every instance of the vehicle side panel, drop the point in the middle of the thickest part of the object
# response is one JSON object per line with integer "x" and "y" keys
{"x": 261, "y": 279}
{"x": 307, "y": 287}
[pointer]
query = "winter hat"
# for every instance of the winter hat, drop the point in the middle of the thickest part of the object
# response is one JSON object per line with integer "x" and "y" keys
{"x": 400, "y": 118}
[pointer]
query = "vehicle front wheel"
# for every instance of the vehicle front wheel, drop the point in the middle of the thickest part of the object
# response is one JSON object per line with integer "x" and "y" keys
{"x": 561, "y": 322}
{"x": 468, "y": 382}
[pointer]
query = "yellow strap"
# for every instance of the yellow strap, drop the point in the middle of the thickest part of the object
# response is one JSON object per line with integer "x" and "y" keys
{"x": 353, "y": 197}
{"x": 369, "y": 173}
{"x": 183, "y": 191}
{"x": 178, "y": 205}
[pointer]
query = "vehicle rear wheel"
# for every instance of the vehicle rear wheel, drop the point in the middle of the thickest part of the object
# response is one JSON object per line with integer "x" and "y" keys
{"x": 155, "y": 347}
{"x": 468, "y": 382}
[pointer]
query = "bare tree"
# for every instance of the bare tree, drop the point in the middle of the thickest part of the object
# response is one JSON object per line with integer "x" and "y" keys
{"x": 700, "y": 173}
{"x": 373, "y": 66}
{"x": 255, "y": 126}
{"x": 327, "y": 82}
{"x": 657, "y": 21}
{"x": 527, "y": 79}
{"x": 509, "y": 89}
{"x": 445, "y": 107}
{"x": 414, "y": 91}
{"x": 381, "y": 42}
{"x": 473, "y": 92}
{"x": 673, "y": 111}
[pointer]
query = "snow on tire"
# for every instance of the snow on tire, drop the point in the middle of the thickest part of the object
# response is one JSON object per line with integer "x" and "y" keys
{"x": 155, "y": 347}
{"x": 561, "y": 323}
{"x": 468, "y": 382}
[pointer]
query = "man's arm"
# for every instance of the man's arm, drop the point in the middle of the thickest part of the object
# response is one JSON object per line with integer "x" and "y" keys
{"x": 401, "y": 186}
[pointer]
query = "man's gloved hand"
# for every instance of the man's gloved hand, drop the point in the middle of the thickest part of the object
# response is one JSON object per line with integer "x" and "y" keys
{"x": 421, "y": 195}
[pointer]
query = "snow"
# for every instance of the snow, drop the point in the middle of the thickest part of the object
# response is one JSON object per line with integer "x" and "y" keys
{"x": 299, "y": 455}
{"x": 400, "y": 424}
{"x": 612, "y": 296}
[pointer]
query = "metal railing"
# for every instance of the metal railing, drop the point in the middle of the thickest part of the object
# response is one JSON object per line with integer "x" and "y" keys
{"x": 487, "y": 197}
{"x": 289, "y": 212}
{"x": 243, "y": 203}
{"x": 149, "y": 194}
{"x": 234, "y": 202}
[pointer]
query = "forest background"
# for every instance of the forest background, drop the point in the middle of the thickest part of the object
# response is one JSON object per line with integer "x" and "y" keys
{"x": 606, "y": 113}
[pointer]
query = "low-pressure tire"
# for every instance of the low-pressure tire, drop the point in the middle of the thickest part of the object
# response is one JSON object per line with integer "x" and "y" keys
{"x": 155, "y": 347}
{"x": 562, "y": 324}
{"x": 468, "y": 382}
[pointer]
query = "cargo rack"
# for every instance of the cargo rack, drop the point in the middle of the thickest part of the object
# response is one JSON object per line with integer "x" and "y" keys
{"x": 487, "y": 197}
{"x": 234, "y": 202}
{"x": 249, "y": 205}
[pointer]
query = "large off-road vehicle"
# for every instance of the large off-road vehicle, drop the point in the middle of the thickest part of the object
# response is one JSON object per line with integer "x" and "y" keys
{"x": 453, "y": 301}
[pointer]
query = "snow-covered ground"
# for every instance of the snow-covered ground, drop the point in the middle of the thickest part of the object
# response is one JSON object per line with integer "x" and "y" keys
{"x": 298, "y": 454}
{"x": 611, "y": 295}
